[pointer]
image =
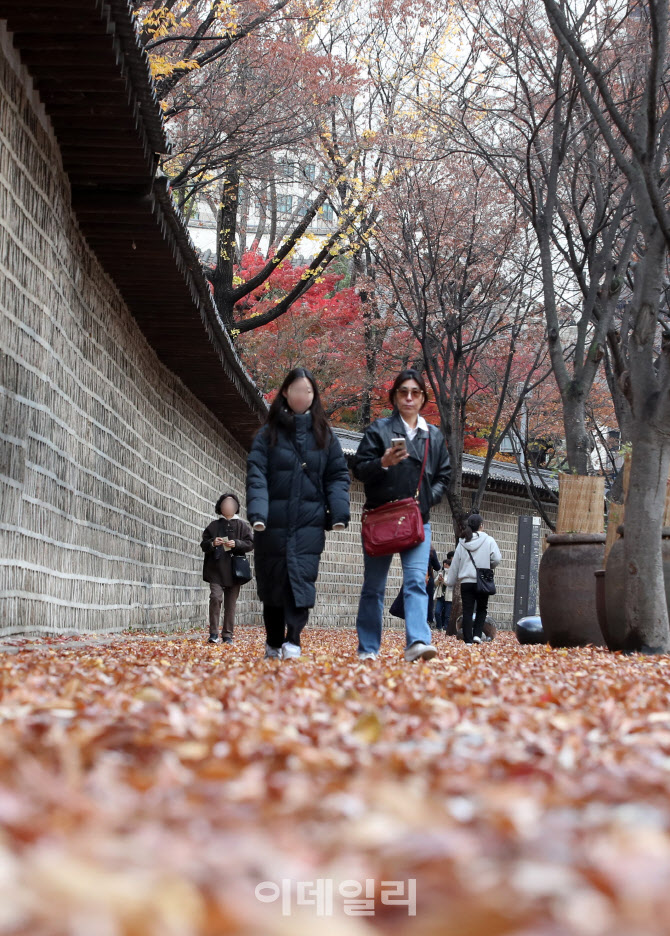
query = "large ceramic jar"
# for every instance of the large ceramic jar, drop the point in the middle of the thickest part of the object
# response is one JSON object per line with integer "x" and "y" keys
{"x": 567, "y": 589}
{"x": 619, "y": 635}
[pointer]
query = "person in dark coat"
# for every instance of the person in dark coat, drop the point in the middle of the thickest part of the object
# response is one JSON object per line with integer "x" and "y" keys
{"x": 224, "y": 538}
{"x": 391, "y": 472}
{"x": 445, "y": 595}
{"x": 297, "y": 487}
{"x": 433, "y": 566}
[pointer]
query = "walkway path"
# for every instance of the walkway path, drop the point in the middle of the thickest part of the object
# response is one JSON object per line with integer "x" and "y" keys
{"x": 161, "y": 786}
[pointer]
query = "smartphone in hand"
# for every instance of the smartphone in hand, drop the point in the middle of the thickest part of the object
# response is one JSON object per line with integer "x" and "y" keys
{"x": 399, "y": 444}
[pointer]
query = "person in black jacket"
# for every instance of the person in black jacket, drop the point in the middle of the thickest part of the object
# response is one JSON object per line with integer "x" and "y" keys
{"x": 226, "y": 537}
{"x": 390, "y": 473}
{"x": 433, "y": 566}
{"x": 297, "y": 487}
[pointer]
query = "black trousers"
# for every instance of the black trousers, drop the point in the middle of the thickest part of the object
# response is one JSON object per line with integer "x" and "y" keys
{"x": 284, "y": 622}
{"x": 472, "y": 600}
{"x": 430, "y": 588}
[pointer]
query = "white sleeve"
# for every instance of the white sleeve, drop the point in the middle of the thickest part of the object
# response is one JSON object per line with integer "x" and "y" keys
{"x": 496, "y": 557}
{"x": 452, "y": 574}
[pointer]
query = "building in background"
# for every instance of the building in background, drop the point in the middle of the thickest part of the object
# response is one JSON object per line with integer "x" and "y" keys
{"x": 269, "y": 208}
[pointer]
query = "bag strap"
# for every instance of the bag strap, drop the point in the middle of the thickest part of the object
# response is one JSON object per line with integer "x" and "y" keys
{"x": 423, "y": 467}
{"x": 477, "y": 569}
{"x": 472, "y": 559}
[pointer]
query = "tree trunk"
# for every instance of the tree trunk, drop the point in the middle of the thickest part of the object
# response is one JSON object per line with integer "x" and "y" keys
{"x": 222, "y": 278}
{"x": 576, "y": 437}
{"x": 646, "y": 607}
{"x": 624, "y": 416}
{"x": 362, "y": 264}
{"x": 646, "y": 610}
{"x": 455, "y": 490}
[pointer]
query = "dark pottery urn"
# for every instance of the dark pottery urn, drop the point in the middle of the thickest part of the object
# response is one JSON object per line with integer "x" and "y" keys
{"x": 567, "y": 594}
{"x": 529, "y": 630}
{"x": 619, "y": 635}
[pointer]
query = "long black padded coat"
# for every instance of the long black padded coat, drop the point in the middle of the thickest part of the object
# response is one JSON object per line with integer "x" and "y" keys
{"x": 291, "y": 502}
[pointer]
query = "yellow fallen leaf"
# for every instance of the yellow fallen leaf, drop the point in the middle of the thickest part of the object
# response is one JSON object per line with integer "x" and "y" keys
{"x": 368, "y": 726}
{"x": 191, "y": 750}
{"x": 149, "y": 694}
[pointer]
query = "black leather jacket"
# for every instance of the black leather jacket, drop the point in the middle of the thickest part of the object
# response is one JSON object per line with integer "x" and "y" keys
{"x": 401, "y": 480}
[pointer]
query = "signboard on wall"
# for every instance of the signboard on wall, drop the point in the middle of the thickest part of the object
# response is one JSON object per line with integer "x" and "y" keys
{"x": 527, "y": 565}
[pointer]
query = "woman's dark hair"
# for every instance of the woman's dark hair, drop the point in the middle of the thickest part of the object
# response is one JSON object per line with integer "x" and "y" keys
{"x": 280, "y": 414}
{"x": 408, "y": 374}
{"x": 471, "y": 526}
{"x": 217, "y": 506}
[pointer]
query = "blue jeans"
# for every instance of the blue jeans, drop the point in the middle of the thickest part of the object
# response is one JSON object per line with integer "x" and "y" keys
{"x": 442, "y": 613}
{"x": 371, "y": 604}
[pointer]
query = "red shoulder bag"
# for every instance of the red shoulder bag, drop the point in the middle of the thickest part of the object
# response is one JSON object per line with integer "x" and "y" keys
{"x": 396, "y": 526}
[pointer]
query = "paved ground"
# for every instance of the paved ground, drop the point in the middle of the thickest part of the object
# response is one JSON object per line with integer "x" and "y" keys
{"x": 14, "y": 643}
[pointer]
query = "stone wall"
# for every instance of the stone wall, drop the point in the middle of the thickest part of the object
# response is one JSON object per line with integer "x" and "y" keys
{"x": 109, "y": 466}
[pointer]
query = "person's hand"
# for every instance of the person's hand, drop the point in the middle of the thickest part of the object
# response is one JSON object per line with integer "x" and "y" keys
{"x": 259, "y": 526}
{"x": 338, "y": 526}
{"x": 218, "y": 541}
{"x": 229, "y": 543}
{"x": 393, "y": 456}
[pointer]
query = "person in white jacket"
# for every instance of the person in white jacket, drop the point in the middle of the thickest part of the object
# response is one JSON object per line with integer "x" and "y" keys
{"x": 476, "y": 550}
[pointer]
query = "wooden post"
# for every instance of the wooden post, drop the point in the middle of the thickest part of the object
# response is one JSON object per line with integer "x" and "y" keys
{"x": 581, "y": 504}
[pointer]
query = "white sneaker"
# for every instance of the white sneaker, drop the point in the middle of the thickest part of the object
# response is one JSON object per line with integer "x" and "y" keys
{"x": 290, "y": 651}
{"x": 272, "y": 653}
{"x": 476, "y": 639}
{"x": 420, "y": 651}
{"x": 366, "y": 655}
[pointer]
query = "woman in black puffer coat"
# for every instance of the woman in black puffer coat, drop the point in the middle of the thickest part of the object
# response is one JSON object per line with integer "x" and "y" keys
{"x": 297, "y": 487}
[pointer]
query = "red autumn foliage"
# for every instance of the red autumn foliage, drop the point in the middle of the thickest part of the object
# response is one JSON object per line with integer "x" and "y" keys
{"x": 323, "y": 330}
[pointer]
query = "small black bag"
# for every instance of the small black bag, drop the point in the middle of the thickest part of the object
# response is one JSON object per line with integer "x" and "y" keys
{"x": 485, "y": 584}
{"x": 241, "y": 569}
{"x": 397, "y": 608}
